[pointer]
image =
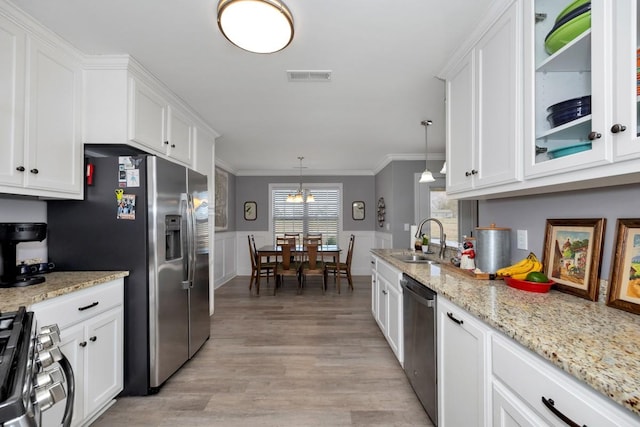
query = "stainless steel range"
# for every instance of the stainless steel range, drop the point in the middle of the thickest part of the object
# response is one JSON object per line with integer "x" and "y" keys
{"x": 34, "y": 374}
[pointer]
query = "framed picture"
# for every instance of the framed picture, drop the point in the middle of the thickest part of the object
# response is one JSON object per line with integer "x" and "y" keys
{"x": 250, "y": 211}
{"x": 357, "y": 210}
{"x": 572, "y": 255}
{"x": 624, "y": 282}
{"x": 221, "y": 198}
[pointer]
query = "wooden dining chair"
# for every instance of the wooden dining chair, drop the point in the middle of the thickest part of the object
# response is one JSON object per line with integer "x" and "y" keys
{"x": 266, "y": 268}
{"x": 316, "y": 236}
{"x": 287, "y": 264}
{"x": 312, "y": 265}
{"x": 341, "y": 268}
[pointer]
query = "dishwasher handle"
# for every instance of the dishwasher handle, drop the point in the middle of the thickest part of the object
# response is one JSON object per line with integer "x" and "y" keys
{"x": 429, "y": 302}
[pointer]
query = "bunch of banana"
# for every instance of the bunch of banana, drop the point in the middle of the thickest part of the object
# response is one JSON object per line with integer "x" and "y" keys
{"x": 520, "y": 269}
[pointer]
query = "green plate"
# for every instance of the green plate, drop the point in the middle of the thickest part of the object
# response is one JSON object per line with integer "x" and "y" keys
{"x": 574, "y": 5}
{"x": 566, "y": 33}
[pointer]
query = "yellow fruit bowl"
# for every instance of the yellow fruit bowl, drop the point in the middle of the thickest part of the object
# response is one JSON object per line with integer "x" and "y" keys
{"x": 525, "y": 285}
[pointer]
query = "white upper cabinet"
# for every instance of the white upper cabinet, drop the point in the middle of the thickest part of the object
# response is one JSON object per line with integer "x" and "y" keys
{"x": 158, "y": 125}
{"x": 40, "y": 115}
{"x": 148, "y": 116}
{"x": 54, "y": 146}
{"x": 181, "y": 133}
{"x": 12, "y": 92}
{"x": 124, "y": 104}
{"x": 626, "y": 114}
{"x": 484, "y": 108}
{"x": 570, "y": 90}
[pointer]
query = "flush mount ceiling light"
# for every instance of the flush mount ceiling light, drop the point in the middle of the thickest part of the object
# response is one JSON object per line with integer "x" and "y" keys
{"x": 426, "y": 175}
{"x": 298, "y": 197}
{"x": 259, "y": 26}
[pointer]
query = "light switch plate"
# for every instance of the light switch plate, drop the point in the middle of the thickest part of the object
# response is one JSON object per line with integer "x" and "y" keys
{"x": 522, "y": 240}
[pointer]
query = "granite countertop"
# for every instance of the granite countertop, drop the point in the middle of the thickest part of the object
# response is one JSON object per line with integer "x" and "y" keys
{"x": 595, "y": 343}
{"x": 56, "y": 284}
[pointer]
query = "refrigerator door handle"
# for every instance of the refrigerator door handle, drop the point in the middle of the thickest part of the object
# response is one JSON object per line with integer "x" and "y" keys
{"x": 191, "y": 240}
{"x": 186, "y": 241}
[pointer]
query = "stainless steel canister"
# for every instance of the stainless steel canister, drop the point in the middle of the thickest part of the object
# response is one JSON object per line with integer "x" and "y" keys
{"x": 493, "y": 249}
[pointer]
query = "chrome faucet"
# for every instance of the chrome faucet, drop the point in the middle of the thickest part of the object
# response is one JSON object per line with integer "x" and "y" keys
{"x": 443, "y": 237}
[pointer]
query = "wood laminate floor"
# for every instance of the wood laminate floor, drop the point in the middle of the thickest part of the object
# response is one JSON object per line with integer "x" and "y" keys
{"x": 284, "y": 360}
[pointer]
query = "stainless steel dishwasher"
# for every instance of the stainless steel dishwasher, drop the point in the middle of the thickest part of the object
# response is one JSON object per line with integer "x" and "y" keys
{"x": 419, "y": 305}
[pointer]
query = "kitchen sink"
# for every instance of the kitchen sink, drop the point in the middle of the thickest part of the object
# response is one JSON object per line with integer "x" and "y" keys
{"x": 415, "y": 259}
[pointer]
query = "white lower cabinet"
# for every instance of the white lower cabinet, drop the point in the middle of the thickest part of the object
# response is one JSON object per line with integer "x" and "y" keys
{"x": 510, "y": 411}
{"x": 91, "y": 334}
{"x": 387, "y": 304}
{"x": 541, "y": 391}
{"x": 462, "y": 367}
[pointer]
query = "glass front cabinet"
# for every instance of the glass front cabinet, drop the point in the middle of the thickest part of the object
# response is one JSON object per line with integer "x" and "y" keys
{"x": 582, "y": 78}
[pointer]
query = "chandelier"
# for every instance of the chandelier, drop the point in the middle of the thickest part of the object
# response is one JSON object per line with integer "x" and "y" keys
{"x": 298, "y": 197}
{"x": 258, "y": 26}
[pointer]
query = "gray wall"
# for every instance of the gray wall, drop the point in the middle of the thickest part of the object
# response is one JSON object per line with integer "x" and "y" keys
{"x": 256, "y": 188}
{"x": 396, "y": 184}
{"x": 530, "y": 213}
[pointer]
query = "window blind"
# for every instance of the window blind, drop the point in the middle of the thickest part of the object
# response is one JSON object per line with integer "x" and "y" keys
{"x": 321, "y": 216}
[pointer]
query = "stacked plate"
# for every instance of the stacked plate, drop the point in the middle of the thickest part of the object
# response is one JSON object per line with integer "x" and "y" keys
{"x": 574, "y": 20}
{"x": 566, "y": 111}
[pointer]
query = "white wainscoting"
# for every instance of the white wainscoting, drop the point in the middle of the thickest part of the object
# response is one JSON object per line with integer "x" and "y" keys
{"x": 225, "y": 258}
{"x": 383, "y": 240}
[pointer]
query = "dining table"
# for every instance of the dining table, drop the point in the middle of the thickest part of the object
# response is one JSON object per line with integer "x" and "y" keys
{"x": 267, "y": 251}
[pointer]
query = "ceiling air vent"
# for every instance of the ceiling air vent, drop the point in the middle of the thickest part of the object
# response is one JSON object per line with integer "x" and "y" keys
{"x": 309, "y": 75}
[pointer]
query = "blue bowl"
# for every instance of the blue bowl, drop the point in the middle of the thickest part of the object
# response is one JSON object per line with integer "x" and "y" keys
{"x": 568, "y": 115}
{"x": 570, "y": 103}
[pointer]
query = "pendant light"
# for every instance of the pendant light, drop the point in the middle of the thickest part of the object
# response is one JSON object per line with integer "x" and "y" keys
{"x": 258, "y": 26}
{"x": 427, "y": 176}
{"x": 298, "y": 197}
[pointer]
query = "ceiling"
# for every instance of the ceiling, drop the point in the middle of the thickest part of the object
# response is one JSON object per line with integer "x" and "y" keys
{"x": 384, "y": 56}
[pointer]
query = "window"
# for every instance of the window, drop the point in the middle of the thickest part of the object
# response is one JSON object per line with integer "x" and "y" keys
{"x": 446, "y": 211}
{"x": 321, "y": 216}
{"x": 458, "y": 217}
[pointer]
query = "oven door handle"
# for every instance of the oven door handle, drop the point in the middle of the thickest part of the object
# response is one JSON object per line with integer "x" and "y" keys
{"x": 71, "y": 391}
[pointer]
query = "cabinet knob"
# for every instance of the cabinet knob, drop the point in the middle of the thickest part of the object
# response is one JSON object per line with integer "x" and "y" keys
{"x": 83, "y": 344}
{"x": 474, "y": 172}
{"x": 34, "y": 171}
{"x": 384, "y": 292}
{"x": 20, "y": 168}
{"x": 618, "y": 128}
{"x": 594, "y": 135}
{"x": 467, "y": 173}
{"x": 173, "y": 145}
{"x": 166, "y": 143}
{"x": 93, "y": 338}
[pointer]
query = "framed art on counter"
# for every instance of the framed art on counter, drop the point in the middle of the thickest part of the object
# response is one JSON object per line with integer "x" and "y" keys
{"x": 624, "y": 283}
{"x": 572, "y": 255}
{"x": 250, "y": 211}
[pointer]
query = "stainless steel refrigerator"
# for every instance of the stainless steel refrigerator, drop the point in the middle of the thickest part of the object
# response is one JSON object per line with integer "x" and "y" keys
{"x": 150, "y": 216}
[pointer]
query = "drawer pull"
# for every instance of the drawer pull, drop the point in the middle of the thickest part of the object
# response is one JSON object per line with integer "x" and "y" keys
{"x": 93, "y": 338}
{"x": 452, "y": 317}
{"x": 86, "y": 307}
{"x": 550, "y": 404}
{"x": 83, "y": 344}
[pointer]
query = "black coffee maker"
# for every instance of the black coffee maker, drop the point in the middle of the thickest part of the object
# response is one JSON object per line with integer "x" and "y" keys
{"x": 12, "y": 233}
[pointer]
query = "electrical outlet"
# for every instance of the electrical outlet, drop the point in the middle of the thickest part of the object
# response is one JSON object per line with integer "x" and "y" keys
{"x": 522, "y": 240}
